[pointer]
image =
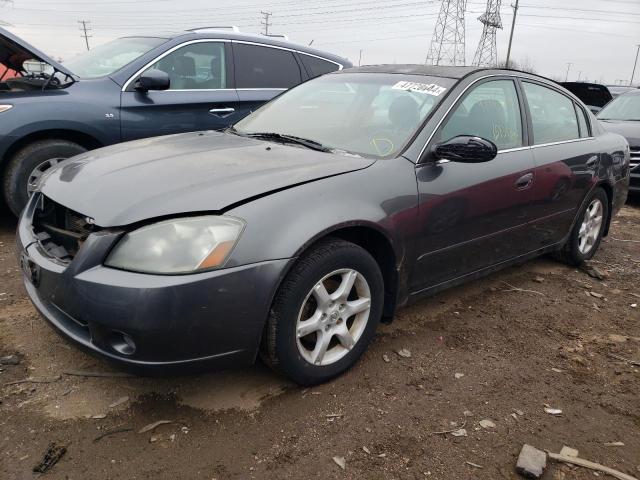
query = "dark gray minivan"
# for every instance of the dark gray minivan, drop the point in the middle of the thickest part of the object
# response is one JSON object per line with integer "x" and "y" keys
{"x": 136, "y": 87}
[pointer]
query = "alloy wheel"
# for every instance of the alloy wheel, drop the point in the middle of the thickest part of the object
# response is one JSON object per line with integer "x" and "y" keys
{"x": 333, "y": 317}
{"x": 590, "y": 227}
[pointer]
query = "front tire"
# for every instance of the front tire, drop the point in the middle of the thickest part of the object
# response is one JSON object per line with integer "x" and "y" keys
{"x": 28, "y": 164}
{"x": 325, "y": 313}
{"x": 588, "y": 230}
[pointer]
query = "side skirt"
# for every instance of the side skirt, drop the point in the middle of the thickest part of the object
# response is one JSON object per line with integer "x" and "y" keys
{"x": 415, "y": 296}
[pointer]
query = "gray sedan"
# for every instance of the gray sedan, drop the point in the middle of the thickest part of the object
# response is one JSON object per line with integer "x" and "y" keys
{"x": 294, "y": 233}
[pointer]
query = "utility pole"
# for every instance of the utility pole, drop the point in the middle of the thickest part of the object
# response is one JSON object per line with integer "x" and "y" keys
{"x": 266, "y": 22}
{"x": 513, "y": 26}
{"x": 85, "y": 29}
{"x": 634, "y": 67}
{"x": 566, "y": 79}
{"x": 579, "y": 75}
{"x": 360, "y": 58}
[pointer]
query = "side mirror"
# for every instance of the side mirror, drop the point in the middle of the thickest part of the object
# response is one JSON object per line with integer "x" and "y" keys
{"x": 153, "y": 80}
{"x": 466, "y": 149}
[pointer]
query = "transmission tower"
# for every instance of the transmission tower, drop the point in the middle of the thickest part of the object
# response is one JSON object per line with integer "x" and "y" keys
{"x": 486, "y": 54}
{"x": 447, "y": 43}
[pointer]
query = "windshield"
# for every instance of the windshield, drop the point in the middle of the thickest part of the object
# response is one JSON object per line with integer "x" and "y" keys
{"x": 112, "y": 56}
{"x": 624, "y": 107}
{"x": 367, "y": 114}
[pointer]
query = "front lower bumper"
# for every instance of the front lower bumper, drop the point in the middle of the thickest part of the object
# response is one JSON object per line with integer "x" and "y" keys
{"x": 150, "y": 323}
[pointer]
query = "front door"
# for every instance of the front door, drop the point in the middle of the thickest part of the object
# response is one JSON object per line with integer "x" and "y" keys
{"x": 263, "y": 72}
{"x": 199, "y": 97}
{"x": 473, "y": 216}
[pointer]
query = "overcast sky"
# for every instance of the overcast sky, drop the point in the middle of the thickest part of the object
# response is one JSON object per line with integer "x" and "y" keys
{"x": 598, "y": 37}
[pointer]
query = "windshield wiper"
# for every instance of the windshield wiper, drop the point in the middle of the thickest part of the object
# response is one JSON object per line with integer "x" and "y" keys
{"x": 305, "y": 142}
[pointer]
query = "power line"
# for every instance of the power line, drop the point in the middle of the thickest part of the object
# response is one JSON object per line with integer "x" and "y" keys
{"x": 85, "y": 31}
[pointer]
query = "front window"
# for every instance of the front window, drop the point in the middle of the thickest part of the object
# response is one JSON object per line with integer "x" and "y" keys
{"x": 112, "y": 56}
{"x": 624, "y": 107}
{"x": 198, "y": 66}
{"x": 368, "y": 114}
{"x": 490, "y": 111}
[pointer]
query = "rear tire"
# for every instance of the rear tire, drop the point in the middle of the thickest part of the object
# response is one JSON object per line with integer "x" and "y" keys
{"x": 27, "y": 163}
{"x": 332, "y": 299}
{"x": 588, "y": 230}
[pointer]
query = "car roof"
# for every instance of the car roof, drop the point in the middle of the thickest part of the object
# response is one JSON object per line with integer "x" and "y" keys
{"x": 230, "y": 34}
{"x": 427, "y": 70}
{"x": 454, "y": 72}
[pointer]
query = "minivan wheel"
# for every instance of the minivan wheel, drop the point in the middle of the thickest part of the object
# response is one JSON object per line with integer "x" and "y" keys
{"x": 587, "y": 232}
{"x": 27, "y": 166}
{"x": 325, "y": 313}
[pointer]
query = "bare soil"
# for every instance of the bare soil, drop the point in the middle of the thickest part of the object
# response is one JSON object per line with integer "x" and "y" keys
{"x": 525, "y": 337}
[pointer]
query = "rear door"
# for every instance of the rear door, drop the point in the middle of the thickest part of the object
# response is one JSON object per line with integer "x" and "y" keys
{"x": 474, "y": 215}
{"x": 200, "y": 97}
{"x": 566, "y": 158}
{"x": 263, "y": 72}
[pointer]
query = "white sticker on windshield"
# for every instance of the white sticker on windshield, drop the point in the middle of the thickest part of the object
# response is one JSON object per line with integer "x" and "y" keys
{"x": 428, "y": 88}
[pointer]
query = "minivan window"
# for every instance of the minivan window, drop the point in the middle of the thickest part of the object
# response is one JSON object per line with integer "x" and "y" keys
{"x": 197, "y": 66}
{"x": 490, "y": 111}
{"x": 316, "y": 66}
{"x": 265, "y": 67}
{"x": 112, "y": 56}
{"x": 552, "y": 115}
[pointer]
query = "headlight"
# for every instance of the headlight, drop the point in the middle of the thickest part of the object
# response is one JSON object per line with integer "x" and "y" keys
{"x": 4, "y": 108}
{"x": 184, "y": 245}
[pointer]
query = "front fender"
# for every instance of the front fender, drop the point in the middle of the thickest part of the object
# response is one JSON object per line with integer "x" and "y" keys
{"x": 284, "y": 224}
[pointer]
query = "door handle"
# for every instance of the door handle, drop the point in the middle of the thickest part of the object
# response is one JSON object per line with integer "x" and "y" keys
{"x": 524, "y": 181}
{"x": 222, "y": 112}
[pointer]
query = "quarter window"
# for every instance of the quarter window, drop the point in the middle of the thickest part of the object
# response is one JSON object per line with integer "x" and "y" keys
{"x": 583, "y": 122}
{"x": 552, "y": 114}
{"x": 491, "y": 111}
{"x": 316, "y": 66}
{"x": 265, "y": 67}
{"x": 198, "y": 66}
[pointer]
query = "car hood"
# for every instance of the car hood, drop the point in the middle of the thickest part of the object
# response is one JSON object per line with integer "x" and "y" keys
{"x": 14, "y": 52}
{"x": 184, "y": 173}
{"x": 629, "y": 130}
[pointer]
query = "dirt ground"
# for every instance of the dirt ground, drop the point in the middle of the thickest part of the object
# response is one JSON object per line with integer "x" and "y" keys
{"x": 549, "y": 343}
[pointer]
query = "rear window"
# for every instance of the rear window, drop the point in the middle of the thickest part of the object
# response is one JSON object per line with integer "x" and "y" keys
{"x": 265, "y": 67}
{"x": 316, "y": 66}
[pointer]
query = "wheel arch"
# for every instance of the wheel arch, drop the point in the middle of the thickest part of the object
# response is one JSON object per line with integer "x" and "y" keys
{"x": 608, "y": 190}
{"x": 85, "y": 140}
{"x": 372, "y": 238}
